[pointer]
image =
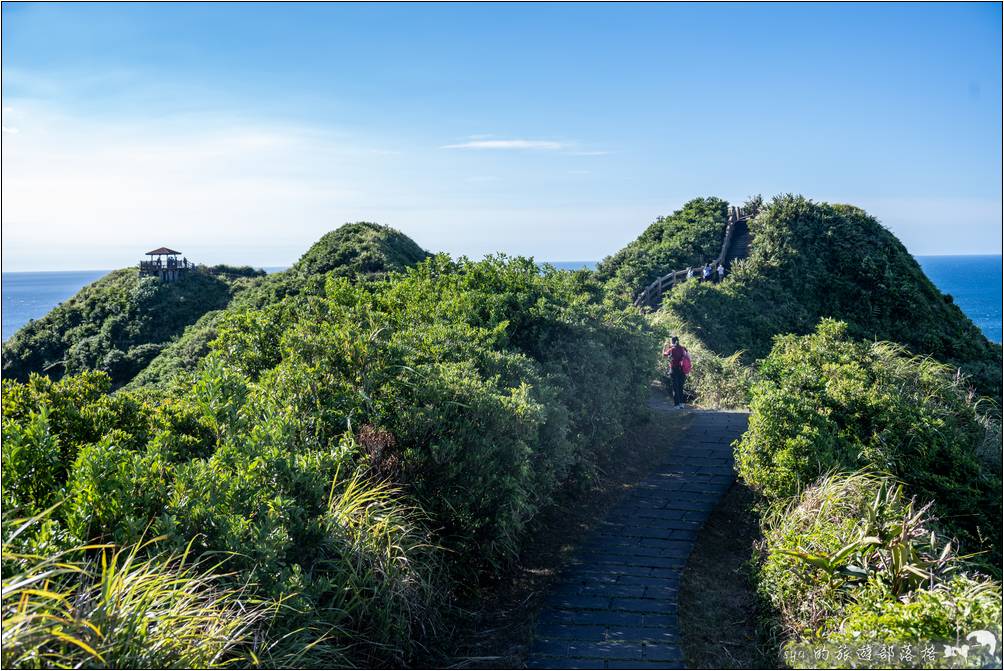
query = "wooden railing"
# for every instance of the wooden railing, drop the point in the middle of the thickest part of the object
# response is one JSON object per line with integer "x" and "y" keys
{"x": 651, "y": 295}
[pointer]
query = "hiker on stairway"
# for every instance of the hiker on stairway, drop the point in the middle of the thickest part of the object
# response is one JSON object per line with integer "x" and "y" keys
{"x": 721, "y": 271}
{"x": 707, "y": 272}
{"x": 690, "y": 273}
{"x": 679, "y": 368}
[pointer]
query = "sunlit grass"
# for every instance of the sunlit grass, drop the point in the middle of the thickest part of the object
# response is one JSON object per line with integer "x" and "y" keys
{"x": 101, "y": 605}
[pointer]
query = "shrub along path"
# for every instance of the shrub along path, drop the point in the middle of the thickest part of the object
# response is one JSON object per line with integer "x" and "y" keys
{"x": 615, "y": 606}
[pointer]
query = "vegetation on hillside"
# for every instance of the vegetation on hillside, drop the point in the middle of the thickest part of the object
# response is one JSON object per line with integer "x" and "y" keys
{"x": 881, "y": 476}
{"x": 880, "y": 391}
{"x": 347, "y": 457}
{"x": 815, "y": 260}
{"x": 358, "y": 251}
{"x": 319, "y": 460}
{"x": 119, "y": 323}
{"x": 690, "y": 236}
{"x": 825, "y": 402}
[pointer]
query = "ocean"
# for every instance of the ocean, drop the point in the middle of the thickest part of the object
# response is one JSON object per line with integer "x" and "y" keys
{"x": 973, "y": 281}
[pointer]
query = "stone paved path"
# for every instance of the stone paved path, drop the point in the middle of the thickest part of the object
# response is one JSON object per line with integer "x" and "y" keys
{"x": 615, "y": 605}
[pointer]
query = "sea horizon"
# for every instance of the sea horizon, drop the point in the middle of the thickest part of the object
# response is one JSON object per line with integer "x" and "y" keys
{"x": 31, "y": 294}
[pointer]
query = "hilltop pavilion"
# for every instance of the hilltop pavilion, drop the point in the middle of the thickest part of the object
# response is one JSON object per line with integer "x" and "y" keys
{"x": 164, "y": 263}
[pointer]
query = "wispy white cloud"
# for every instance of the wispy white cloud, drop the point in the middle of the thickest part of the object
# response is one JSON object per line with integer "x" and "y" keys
{"x": 551, "y": 145}
{"x": 11, "y": 130}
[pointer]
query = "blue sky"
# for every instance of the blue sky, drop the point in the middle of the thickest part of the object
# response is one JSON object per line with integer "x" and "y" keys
{"x": 241, "y": 133}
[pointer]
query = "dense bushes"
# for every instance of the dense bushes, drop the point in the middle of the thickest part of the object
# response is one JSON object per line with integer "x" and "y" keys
{"x": 47, "y": 423}
{"x": 347, "y": 449}
{"x": 871, "y": 556}
{"x": 496, "y": 382}
{"x": 826, "y": 402}
{"x": 358, "y": 251}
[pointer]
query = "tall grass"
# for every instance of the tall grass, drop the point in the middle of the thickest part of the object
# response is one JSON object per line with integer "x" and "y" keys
{"x": 384, "y": 570}
{"x": 374, "y": 595}
{"x": 99, "y": 605}
{"x": 852, "y": 559}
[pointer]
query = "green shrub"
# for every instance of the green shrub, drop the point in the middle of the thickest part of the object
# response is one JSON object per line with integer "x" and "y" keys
{"x": 825, "y": 402}
{"x": 33, "y": 472}
{"x": 46, "y": 424}
{"x": 947, "y": 612}
{"x": 115, "y": 493}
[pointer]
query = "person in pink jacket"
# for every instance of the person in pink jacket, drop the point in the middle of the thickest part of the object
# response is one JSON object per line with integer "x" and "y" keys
{"x": 676, "y": 353}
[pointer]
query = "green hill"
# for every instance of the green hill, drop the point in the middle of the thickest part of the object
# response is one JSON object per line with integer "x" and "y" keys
{"x": 810, "y": 261}
{"x": 132, "y": 327}
{"x": 119, "y": 323}
{"x": 362, "y": 248}
{"x": 359, "y": 250}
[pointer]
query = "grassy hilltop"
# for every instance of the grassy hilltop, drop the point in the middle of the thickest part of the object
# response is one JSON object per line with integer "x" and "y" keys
{"x": 125, "y": 325}
{"x": 312, "y": 471}
{"x": 808, "y": 261}
{"x": 358, "y": 251}
{"x": 119, "y": 323}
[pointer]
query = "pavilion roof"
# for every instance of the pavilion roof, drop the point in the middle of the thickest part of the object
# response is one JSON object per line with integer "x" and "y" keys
{"x": 162, "y": 250}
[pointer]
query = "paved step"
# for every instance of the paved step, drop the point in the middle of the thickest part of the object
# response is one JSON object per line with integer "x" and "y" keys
{"x": 615, "y": 605}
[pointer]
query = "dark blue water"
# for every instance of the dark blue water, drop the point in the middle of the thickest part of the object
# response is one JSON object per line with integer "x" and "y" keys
{"x": 973, "y": 281}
